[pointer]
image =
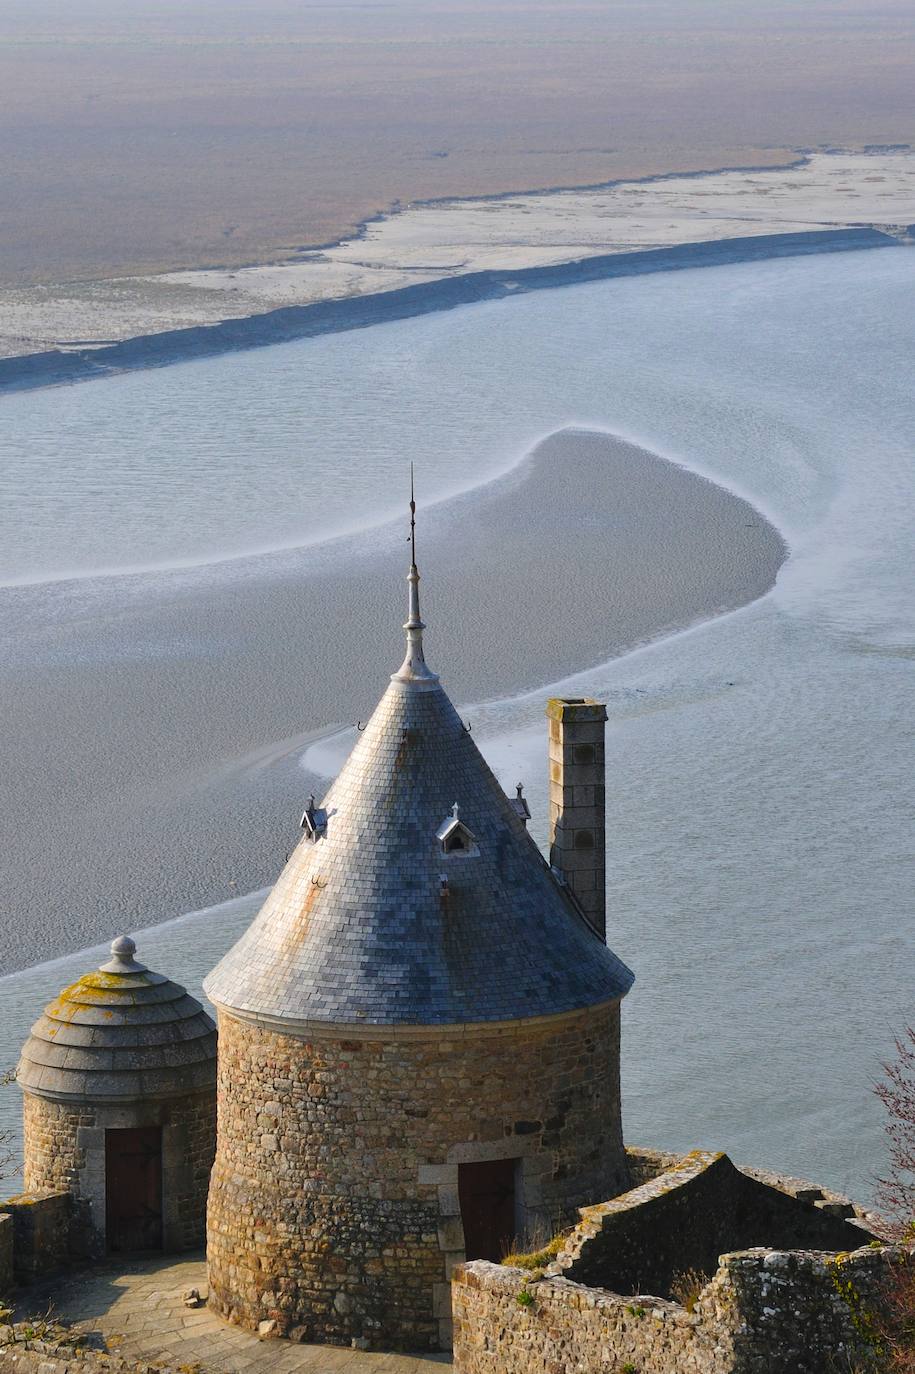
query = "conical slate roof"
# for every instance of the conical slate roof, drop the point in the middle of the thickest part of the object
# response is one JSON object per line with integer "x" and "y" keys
{"x": 118, "y": 1034}
{"x": 372, "y": 922}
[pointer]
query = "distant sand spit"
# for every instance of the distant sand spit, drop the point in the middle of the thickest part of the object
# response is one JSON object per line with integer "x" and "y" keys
{"x": 154, "y": 725}
{"x": 436, "y": 255}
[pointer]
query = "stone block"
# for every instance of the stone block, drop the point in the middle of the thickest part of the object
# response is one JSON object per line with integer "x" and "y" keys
{"x": 451, "y": 1233}
{"x": 439, "y": 1174}
{"x": 41, "y": 1233}
{"x": 449, "y": 1202}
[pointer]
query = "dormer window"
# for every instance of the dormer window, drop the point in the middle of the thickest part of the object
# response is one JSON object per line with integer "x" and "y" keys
{"x": 456, "y": 839}
{"x": 519, "y": 804}
{"x": 314, "y": 820}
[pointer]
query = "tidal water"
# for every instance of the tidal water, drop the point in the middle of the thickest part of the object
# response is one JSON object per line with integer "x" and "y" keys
{"x": 760, "y": 796}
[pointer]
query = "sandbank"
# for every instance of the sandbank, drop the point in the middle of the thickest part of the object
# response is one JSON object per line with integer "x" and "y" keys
{"x": 440, "y": 254}
{"x": 155, "y": 724}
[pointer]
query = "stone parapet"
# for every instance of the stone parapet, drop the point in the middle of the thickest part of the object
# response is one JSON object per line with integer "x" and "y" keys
{"x": 682, "y": 1219}
{"x": 763, "y": 1312}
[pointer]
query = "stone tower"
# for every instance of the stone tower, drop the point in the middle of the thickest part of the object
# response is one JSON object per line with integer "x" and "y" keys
{"x": 119, "y": 1086}
{"x": 418, "y": 1044}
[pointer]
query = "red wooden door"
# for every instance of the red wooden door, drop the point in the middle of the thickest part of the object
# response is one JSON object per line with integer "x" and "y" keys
{"x": 133, "y": 1188}
{"x": 486, "y": 1192}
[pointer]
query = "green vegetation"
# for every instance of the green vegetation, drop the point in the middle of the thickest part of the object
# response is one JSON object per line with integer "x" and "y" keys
{"x": 863, "y": 1319}
{"x": 535, "y": 1259}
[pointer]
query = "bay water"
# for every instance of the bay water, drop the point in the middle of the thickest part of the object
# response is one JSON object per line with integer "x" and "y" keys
{"x": 760, "y": 797}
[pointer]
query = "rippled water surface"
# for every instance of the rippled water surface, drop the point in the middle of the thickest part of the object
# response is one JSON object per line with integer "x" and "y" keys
{"x": 760, "y": 794}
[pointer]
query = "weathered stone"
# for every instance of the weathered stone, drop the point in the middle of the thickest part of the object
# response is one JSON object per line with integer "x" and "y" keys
{"x": 358, "y": 1236}
{"x": 121, "y": 1048}
{"x": 762, "y": 1310}
{"x": 64, "y": 1149}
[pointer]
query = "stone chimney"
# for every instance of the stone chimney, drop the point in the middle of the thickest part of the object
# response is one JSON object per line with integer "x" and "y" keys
{"x": 577, "y": 804}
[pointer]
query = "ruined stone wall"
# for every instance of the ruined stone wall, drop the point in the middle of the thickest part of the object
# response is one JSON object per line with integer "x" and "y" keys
{"x": 334, "y": 1199}
{"x": 687, "y": 1216}
{"x": 46, "y": 1348}
{"x": 765, "y": 1312}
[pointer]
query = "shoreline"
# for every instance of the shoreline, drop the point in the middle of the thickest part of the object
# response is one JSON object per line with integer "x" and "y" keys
{"x": 285, "y": 324}
{"x": 179, "y": 761}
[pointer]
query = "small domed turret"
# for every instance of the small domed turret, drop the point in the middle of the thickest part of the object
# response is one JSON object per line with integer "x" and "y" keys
{"x": 119, "y": 1082}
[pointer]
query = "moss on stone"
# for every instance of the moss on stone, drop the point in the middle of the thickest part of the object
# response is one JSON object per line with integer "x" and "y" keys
{"x": 536, "y": 1259}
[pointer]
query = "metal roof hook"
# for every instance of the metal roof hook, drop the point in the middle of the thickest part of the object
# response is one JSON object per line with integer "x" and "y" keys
{"x": 467, "y": 728}
{"x": 360, "y": 727}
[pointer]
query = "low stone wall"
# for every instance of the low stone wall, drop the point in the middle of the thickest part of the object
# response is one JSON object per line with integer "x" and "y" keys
{"x": 41, "y": 1226}
{"x": 772, "y": 1269}
{"x": 764, "y": 1312}
{"x": 25, "y": 1350}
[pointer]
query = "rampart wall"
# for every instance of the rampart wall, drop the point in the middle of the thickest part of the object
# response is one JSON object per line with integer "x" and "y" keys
{"x": 765, "y": 1312}
{"x": 775, "y": 1276}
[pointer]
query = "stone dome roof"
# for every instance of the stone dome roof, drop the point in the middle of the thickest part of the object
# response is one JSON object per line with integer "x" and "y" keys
{"x": 118, "y": 1034}
{"x": 374, "y": 921}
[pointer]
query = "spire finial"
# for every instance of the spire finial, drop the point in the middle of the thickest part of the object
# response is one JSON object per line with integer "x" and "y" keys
{"x": 414, "y": 668}
{"x": 412, "y": 522}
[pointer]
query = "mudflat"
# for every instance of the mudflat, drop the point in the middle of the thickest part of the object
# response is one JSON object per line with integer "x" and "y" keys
{"x": 139, "y": 139}
{"x": 435, "y": 256}
{"x": 154, "y": 726}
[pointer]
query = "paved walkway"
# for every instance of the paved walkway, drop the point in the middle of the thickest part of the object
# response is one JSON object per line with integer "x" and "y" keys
{"x": 138, "y": 1308}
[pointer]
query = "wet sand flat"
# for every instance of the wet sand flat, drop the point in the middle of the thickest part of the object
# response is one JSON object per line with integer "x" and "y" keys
{"x": 154, "y": 724}
{"x": 435, "y": 255}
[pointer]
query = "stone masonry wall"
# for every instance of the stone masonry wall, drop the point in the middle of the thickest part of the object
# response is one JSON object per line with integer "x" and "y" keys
{"x": 334, "y": 1199}
{"x": 42, "y": 1227}
{"x": 64, "y": 1148}
{"x": 765, "y": 1312}
{"x": 687, "y": 1216}
{"x": 189, "y": 1145}
{"x": 53, "y": 1156}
